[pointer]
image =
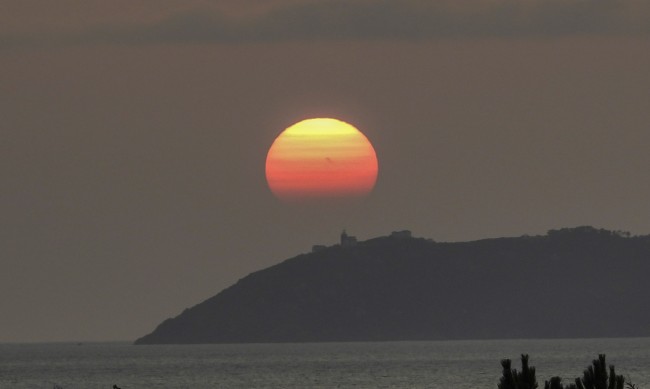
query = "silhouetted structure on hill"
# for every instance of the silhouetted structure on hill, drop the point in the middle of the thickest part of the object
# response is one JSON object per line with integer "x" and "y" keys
{"x": 404, "y": 234}
{"x": 348, "y": 240}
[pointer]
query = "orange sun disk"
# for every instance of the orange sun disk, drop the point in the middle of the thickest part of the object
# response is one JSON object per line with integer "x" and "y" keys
{"x": 321, "y": 158}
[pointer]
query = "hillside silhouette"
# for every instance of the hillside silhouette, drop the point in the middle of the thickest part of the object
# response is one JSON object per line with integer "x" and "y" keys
{"x": 573, "y": 282}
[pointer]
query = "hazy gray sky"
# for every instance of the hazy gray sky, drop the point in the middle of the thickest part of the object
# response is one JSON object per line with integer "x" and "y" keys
{"x": 133, "y": 136}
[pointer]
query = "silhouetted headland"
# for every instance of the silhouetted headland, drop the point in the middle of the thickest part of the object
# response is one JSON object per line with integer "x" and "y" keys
{"x": 572, "y": 282}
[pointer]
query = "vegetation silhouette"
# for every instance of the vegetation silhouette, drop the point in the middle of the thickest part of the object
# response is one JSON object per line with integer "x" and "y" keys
{"x": 595, "y": 376}
{"x": 513, "y": 379}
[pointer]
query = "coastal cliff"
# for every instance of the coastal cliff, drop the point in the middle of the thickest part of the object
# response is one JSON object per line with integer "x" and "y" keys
{"x": 577, "y": 282}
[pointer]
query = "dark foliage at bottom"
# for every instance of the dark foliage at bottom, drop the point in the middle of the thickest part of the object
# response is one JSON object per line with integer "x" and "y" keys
{"x": 594, "y": 377}
{"x": 513, "y": 379}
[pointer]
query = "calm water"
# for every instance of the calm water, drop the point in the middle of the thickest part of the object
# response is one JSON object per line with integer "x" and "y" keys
{"x": 449, "y": 364}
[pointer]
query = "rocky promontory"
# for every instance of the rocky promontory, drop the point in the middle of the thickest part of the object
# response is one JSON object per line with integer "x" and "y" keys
{"x": 572, "y": 282}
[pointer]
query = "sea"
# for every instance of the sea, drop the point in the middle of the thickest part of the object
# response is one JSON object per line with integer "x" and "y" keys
{"x": 430, "y": 364}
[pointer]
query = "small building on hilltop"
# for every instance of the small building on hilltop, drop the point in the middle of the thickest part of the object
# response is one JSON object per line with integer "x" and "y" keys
{"x": 404, "y": 234}
{"x": 348, "y": 240}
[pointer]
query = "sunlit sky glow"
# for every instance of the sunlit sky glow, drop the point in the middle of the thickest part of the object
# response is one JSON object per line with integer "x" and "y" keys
{"x": 134, "y": 136}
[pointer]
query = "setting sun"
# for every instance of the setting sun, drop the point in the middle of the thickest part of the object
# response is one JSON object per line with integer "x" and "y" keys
{"x": 321, "y": 158}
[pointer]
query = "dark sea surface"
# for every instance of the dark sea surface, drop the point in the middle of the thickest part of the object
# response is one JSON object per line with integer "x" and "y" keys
{"x": 445, "y": 364}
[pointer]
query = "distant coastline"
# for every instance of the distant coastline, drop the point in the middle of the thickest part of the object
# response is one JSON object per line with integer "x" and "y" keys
{"x": 578, "y": 282}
